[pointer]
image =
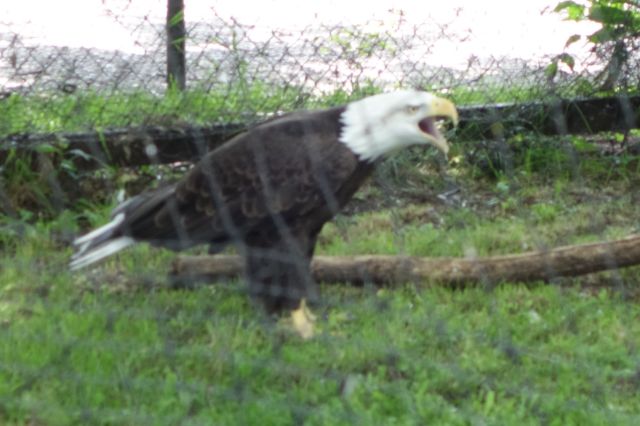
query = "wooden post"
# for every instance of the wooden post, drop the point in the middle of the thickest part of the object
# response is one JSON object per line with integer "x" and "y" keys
{"x": 176, "y": 35}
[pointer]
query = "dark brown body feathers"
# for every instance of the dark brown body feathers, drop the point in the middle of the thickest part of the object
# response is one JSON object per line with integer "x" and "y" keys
{"x": 269, "y": 191}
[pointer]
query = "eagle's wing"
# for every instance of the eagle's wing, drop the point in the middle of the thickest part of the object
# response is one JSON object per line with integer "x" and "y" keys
{"x": 292, "y": 169}
{"x": 244, "y": 183}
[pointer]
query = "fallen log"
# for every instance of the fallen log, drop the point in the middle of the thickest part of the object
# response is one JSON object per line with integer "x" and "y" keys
{"x": 567, "y": 261}
{"x": 128, "y": 147}
{"x": 558, "y": 117}
{"x": 137, "y": 146}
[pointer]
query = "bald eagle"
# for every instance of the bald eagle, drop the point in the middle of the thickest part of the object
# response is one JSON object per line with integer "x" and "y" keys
{"x": 270, "y": 190}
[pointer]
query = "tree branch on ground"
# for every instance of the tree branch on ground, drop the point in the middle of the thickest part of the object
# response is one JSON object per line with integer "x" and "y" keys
{"x": 567, "y": 261}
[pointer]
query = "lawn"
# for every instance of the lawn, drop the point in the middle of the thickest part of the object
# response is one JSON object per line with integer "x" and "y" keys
{"x": 117, "y": 344}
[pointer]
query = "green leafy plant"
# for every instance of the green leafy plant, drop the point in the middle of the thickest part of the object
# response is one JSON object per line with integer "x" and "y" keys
{"x": 619, "y": 33}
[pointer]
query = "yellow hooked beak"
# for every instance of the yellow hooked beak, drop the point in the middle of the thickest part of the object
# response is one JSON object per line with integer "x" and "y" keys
{"x": 438, "y": 108}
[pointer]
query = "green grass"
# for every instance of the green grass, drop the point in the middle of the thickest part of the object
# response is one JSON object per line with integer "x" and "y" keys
{"x": 239, "y": 102}
{"x": 114, "y": 345}
{"x": 89, "y": 110}
{"x": 60, "y": 112}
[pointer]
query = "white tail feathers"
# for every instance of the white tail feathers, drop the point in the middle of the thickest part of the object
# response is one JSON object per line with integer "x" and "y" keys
{"x": 100, "y": 252}
{"x": 99, "y": 244}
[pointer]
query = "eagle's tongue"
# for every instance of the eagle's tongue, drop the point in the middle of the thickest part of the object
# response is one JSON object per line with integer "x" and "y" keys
{"x": 428, "y": 125}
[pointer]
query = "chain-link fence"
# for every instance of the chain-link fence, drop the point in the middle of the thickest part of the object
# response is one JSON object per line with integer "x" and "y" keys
{"x": 546, "y": 155}
{"x": 387, "y": 52}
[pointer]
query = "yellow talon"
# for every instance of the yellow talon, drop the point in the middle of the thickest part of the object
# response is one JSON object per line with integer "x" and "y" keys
{"x": 303, "y": 320}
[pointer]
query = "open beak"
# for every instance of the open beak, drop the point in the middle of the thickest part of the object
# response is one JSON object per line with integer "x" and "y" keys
{"x": 439, "y": 108}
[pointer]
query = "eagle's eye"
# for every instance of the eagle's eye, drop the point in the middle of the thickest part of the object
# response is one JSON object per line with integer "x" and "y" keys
{"x": 412, "y": 109}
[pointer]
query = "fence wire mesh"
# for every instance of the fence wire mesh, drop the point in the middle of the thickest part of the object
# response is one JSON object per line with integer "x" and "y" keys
{"x": 125, "y": 343}
{"x": 222, "y": 50}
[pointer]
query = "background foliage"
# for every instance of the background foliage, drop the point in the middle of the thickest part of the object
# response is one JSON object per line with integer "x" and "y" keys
{"x": 613, "y": 42}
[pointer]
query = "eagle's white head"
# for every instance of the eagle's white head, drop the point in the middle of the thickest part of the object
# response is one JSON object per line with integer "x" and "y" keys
{"x": 378, "y": 125}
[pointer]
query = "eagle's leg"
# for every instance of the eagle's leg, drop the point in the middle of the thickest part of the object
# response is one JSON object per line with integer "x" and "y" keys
{"x": 279, "y": 276}
{"x": 303, "y": 320}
